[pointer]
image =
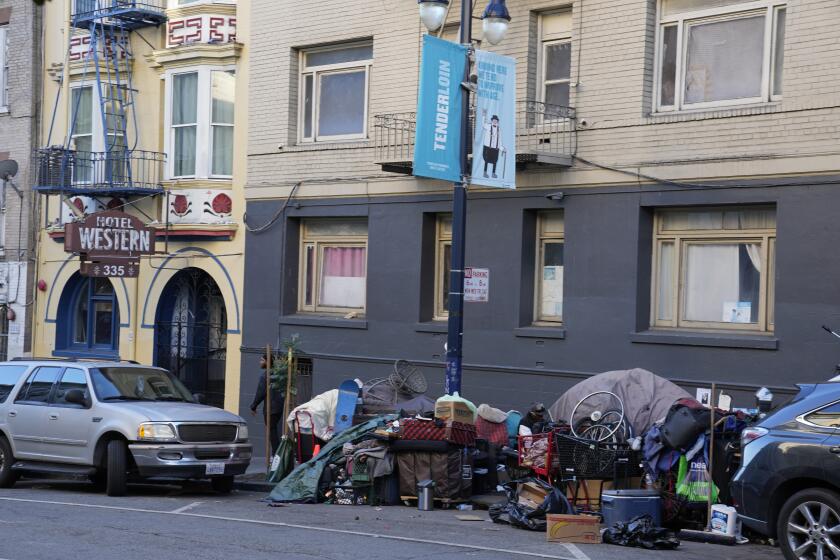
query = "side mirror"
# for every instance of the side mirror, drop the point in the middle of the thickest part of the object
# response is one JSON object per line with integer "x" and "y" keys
{"x": 76, "y": 396}
{"x": 198, "y": 397}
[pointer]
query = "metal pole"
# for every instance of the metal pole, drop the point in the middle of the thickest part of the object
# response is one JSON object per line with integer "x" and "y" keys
{"x": 455, "y": 334}
{"x": 267, "y": 408}
{"x": 711, "y": 465}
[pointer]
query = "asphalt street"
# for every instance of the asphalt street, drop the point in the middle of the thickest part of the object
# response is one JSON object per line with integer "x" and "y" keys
{"x": 57, "y": 520}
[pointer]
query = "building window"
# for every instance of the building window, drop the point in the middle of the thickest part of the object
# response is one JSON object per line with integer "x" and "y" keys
{"x": 443, "y": 261}
{"x": 89, "y": 136}
{"x": 200, "y": 121}
{"x": 334, "y": 92}
{"x": 715, "y": 53}
{"x": 4, "y": 67}
{"x": 82, "y": 132}
{"x": 333, "y": 265}
{"x": 549, "y": 277}
{"x": 556, "y": 58}
{"x": 713, "y": 268}
{"x": 88, "y": 317}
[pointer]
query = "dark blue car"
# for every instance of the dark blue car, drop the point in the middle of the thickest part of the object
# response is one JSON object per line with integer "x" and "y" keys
{"x": 788, "y": 486}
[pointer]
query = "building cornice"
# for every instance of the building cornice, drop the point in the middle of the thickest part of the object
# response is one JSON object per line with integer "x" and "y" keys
{"x": 191, "y": 55}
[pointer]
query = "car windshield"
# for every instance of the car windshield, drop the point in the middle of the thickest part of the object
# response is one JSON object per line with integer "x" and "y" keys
{"x": 138, "y": 384}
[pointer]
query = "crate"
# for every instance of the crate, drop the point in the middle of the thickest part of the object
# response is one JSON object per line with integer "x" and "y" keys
{"x": 360, "y": 471}
{"x": 584, "y": 458}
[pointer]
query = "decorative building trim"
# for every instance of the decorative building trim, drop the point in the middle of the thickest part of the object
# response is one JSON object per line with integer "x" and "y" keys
{"x": 163, "y": 266}
{"x": 213, "y": 28}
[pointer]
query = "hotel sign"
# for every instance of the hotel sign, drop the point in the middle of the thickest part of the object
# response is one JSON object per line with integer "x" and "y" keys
{"x": 109, "y": 243}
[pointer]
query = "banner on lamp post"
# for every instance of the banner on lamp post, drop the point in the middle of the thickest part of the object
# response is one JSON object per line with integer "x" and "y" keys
{"x": 437, "y": 146}
{"x": 494, "y": 141}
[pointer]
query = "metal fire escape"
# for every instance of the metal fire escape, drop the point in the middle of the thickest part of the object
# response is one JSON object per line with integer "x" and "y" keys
{"x": 114, "y": 165}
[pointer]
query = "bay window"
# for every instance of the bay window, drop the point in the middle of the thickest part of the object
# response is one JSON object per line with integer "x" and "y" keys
{"x": 334, "y": 92}
{"x": 713, "y": 268}
{"x": 333, "y": 266}
{"x": 713, "y": 53}
{"x": 82, "y": 132}
{"x": 548, "y": 307}
{"x": 199, "y": 114}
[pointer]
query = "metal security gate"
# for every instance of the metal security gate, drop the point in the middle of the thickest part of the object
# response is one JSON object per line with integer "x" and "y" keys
{"x": 191, "y": 334}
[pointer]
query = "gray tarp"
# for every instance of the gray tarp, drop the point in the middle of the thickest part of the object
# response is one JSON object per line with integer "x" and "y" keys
{"x": 646, "y": 397}
{"x": 302, "y": 483}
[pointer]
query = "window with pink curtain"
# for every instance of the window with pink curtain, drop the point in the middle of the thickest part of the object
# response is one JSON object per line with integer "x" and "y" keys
{"x": 343, "y": 272}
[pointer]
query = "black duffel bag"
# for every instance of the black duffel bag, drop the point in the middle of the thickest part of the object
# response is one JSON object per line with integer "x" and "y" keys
{"x": 686, "y": 420}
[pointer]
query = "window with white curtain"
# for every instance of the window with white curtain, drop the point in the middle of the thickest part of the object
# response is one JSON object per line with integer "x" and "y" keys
{"x": 199, "y": 113}
{"x": 4, "y": 67}
{"x": 333, "y": 266}
{"x": 334, "y": 92}
{"x": 715, "y": 53}
{"x": 555, "y": 58}
{"x": 714, "y": 267}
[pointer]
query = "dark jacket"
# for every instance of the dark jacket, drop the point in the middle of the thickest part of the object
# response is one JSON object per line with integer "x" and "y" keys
{"x": 276, "y": 398}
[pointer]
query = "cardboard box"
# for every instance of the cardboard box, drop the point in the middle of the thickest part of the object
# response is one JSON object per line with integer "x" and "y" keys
{"x": 531, "y": 495}
{"x": 454, "y": 410}
{"x": 589, "y": 492}
{"x": 580, "y": 529}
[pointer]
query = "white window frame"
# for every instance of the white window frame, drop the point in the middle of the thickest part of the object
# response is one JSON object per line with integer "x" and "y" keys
{"x": 544, "y": 238}
{"x": 4, "y": 68}
{"x": 542, "y": 57}
{"x": 684, "y": 20}
{"x": 681, "y": 239}
{"x": 204, "y": 124}
{"x": 316, "y": 72}
{"x": 318, "y": 242}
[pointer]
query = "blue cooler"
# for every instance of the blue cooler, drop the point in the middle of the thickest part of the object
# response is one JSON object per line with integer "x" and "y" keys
{"x": 620, "y": 506}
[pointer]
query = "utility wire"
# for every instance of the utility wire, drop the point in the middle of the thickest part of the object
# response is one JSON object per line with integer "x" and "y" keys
{"x": 277, "y": 215}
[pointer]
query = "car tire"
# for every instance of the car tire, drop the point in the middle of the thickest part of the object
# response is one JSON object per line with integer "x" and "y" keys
{"x": 805, "y": 522}
{"x": 116, "y": 472}
{"x": 222, "y": 484}
{"x": 8, "y": 477}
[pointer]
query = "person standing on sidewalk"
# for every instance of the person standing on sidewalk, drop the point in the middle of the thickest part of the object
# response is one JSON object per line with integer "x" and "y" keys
{"x": 275, "y": 419}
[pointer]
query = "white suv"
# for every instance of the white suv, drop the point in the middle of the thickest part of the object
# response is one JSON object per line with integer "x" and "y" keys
{"x": 111, "y": 422}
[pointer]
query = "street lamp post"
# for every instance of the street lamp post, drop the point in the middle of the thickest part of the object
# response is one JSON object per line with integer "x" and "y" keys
{"x": 495, "y": 22}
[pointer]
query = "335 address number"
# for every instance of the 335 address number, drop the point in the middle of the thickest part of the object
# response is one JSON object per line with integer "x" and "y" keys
{"x": 113, "y": 270}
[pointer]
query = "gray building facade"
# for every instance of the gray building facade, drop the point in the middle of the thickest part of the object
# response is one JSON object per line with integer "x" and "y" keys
{"x": 691, "y": 232}
{"x": 20, "y": 92}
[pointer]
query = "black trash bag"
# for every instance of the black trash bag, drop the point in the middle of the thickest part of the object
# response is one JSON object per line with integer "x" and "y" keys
{"x": 524, "y": 517}
{"x": 640, "y": 532}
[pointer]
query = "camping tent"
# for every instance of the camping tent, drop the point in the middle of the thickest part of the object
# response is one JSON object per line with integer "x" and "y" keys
{"x": 646, "y": 397}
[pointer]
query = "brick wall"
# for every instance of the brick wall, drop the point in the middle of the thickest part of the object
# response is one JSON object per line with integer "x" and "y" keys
{"x": 18, "y": 138}
{"x": 614, "y": 42}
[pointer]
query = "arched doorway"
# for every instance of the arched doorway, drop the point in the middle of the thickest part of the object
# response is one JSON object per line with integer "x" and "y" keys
{"x": 191, "y": 333}
{"x": 88, "y": 318}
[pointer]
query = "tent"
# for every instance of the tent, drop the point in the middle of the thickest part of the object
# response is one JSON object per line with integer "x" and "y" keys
{"x": 302, "y": 483}
{"x": 646, "y": 397}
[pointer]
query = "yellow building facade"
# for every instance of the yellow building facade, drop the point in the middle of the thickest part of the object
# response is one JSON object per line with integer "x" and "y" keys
{"x": 178, "y": 82}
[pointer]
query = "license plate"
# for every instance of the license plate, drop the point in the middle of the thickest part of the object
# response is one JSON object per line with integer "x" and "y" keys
{"x": 215, "y": 468}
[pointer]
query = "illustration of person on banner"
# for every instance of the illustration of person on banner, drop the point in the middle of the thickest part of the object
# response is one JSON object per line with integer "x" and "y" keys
{"x": 492, "y": 144}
